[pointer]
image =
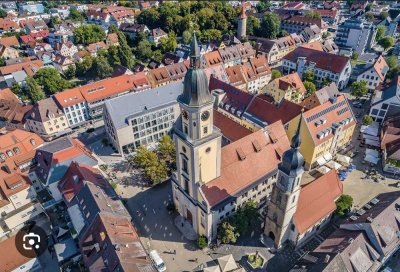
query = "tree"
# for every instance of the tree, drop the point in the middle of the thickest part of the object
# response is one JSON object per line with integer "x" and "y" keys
{"x": 309, "y": 76}
{"x": 369, "y": 16}
{"x": 34, "y": 91}
{"x": 359, "y": 88}
{"x": 383, "y": 15}
{"x": 253, "y": 25}
{"x": 87, "y": 34}
{"x": 51, "y": 80}
{"x": 313, "y": 14}
{"x": 276, "y": 74}
{"x": 310, "y": 87}
{"x": 354, "y": 56}
{"x": 70, "y": 72}
{"x": 186, "y": 37}
{"x": 76, "y": 15}
{"x": 380, "y": 32}
{"x": 367, "y": 120}
{"x": 386, "y": 42}
{"x": 101, "y": 67}
{"x": 169, "y": 44}
{"x": 391, "y": 62}
{"x": 3, "y": 13}
{"x": 227, "y": 233}
{"x": 270, "y": 25}
{"x": 343, "y": 205}
{"x": 166, "y": 148}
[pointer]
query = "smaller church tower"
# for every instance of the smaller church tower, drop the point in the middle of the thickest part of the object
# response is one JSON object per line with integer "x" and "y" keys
{"x": 241, "y": 29}
{"x": 279, "y": 224}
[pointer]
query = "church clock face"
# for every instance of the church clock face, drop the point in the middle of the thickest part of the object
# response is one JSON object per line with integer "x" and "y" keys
{"x": 205, "y": 115}
{"x": 185, "y": 114}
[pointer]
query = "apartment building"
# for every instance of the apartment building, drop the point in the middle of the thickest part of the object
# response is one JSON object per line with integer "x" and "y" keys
{"x": 356, "y": 34}
{"x": 17, "y": 192}
{"x": 328, "y": 128}
{"x": 324, "y": 65}
{"x": 141, "y": 118}
{"x": 47, "y": 119}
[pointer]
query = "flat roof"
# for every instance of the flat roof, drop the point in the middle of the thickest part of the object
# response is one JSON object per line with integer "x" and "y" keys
{"x": 120, "y": 108}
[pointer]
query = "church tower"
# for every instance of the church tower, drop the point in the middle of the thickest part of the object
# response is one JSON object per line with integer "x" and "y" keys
{"x": 197, "y": 142}
{"x": 242, "y": 23}
{"x": 279, "y": 225}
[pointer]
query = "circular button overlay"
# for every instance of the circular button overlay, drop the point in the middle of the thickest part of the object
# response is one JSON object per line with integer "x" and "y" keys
{"x": 31, "y": 241}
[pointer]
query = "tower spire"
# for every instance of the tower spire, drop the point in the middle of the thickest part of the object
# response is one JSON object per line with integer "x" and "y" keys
{"x": 296, "y": 140}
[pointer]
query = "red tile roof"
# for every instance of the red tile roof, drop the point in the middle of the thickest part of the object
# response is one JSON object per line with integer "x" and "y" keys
{"x": 322, "y": 60}
{"x": 265, "y": 110}
{"x": 235, "y": 175}
{"x": 317, "y": 200}
{"x": 229, "y": 128}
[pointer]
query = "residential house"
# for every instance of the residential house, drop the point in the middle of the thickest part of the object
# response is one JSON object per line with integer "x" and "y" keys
{"x": 373, "y": 74}
{"x": 276, "y": 49}
{"x": 15, "y": 260}
{"x": 132, "y": 30}
{"x": 62, "y": 63}
{"x": 364, "y": 242}
{"x": 230, "y": 56}
{"x": 328, "y": 128}
{"x": 211, "y": 59}
{"x": 288, "y": 87}
{"x": 47, "y": 119}
{"x": 156, "y": 34}
{"x": 324, "y": 65}
{"x": 320, "y": 96}
{"x": 34, "y": 26}
{"x": 17, "y": 193}
{"x": 54, "y": 158}
{"x": 112, "y": 39}
{"x": 296, "y": 23}
{"x": 67, "y": 49}
{"x": 383, "y": 100}
{"x": 357, "y": 35}
{"x": 12, "y": 111}
{"x": 159, "y": 77}
{"x": 141, "y": 118}
{"x": 94, "y": 47}
{"x": 390, "y": 145}
{"x": 7, "y": 26}
{"x": 262, "y": 71}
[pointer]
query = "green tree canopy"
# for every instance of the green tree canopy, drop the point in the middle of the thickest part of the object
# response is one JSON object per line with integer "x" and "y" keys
{"x": 309, "y": 76}
{"x": 51, "y": 80}
{"x": 386, "y": 42}
{"x": 391, "y": 61}
{"x": 343, "y": 205}
{"x": 76, "y": 15}
{"x": 34, "y": 91}
{"x": 359, "y": 88}
{"x": 276, "y": 74}
{"x": 87, "y": 34}
{"x": 227, "y": 233}
{"x": 380, "y": 32}
{"x": 367, "y": 120}
{"x": 313, "y": 14}
{"x": 270, "y": 25}
{"x": 310, "y": 87}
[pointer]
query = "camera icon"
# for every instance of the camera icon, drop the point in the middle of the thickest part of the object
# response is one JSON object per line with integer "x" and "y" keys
{"x": 31, "y": 241}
